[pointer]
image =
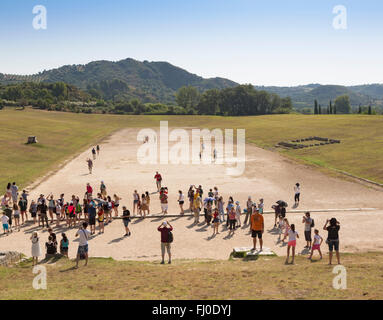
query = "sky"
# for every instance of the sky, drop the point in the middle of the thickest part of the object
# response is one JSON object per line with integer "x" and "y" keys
{"x": 273, "y": 42}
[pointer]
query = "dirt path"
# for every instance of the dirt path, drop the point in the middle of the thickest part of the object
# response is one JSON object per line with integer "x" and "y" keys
{"x": 268, "y": 175}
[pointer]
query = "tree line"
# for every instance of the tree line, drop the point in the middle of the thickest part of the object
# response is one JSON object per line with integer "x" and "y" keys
{"x": 241, "y": 100}
{"x": 341, "y": 105}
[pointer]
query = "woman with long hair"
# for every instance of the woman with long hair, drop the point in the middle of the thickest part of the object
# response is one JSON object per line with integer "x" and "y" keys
{"x": 36, "y": 251}
{"x": 293, "y": 235}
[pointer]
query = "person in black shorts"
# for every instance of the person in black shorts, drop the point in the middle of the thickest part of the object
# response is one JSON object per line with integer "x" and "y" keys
{"x": 126, "y": 220}
{"x": 333, "y": 238}
{"x": 257, "y": 228}
{"x": 92, "y": 212}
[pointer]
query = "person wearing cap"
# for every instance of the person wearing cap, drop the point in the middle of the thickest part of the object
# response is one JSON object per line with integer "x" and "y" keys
{"x": 249, "y": 205}
{"x": 165, "y": 228}
{"x": 257, "y": 228}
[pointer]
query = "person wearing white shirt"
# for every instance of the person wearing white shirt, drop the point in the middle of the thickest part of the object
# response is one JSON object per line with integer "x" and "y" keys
{"x": 83, "y": 244}
{"x": 297, "y": 190}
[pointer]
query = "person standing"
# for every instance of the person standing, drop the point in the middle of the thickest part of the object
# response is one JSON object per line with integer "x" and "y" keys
{"x": 147, "y": 196}
{"x": 90, "y": 165}
{"x": 318, "y": 240}
{"x": 249, "y": 205}
{"x": 238, "y": 212}
{"x": 94, "y": 153}
{"x": 8, "y": 213}
{"x": 92, "y": 212}
{"x": 158, "y": 178}
{"x": 136, "y": 199}
{"x": 5, "y": 223}
{"x": 116, "y": 204}
{"x": 103, "y": 189}
{"x": 197, "y": 209}
{"x": 64, "y": 245}
{"x": 297, "y": 190}
{"x": 181, "y": 201}
{"x": 98, "y": 150}
{"x": 215, "y": 221}
{"x": 261, "y": 206}
{"x": 166, "y": 239}
{"x": 257, "y": 228}
{"x": 83, "y": 248}
{"x": 23, "y": 204}
{"x": 36, "y": 250}
{"x": 16, "y": 215}
{"x": 164, "y": 202}
{"x": 231, "y": 219}
{"x": 293, "y": 235}
{"x": 126, "y": 220}
{"x": 191, "y": 198}
{"x": 221, "y": 211}
{"x": 309, "y": 224}
{"x": 333, "y": 238}
{"x": 33, "y": 210}
{"x": 15, "y": 192}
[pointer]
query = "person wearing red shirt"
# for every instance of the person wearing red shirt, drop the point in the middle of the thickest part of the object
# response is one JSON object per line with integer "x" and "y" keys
{"x": 158, "y": 181}
{"x": 165, "y": 229}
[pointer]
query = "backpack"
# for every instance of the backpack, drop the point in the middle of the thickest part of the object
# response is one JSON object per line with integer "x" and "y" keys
{"x": 312, "y": 223}
{"x": 170, "y": 237}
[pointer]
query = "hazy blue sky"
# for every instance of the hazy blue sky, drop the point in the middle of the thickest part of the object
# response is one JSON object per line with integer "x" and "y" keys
{"x": 273, "y": 42}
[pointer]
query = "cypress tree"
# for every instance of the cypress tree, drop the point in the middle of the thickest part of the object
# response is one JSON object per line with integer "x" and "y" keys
{"x": 331, "y": 107}
{"x": 369, "y": 110}
{"x": 315, "y": 107}
{"x": 360, "y": 109}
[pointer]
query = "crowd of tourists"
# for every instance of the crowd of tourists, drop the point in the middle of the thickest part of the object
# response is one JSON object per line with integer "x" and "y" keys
{"x": 101, "y": 209}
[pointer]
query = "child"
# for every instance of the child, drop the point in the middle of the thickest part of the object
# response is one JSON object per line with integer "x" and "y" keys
{"x": 286, "y": 227}
{"x": 293, "y": 235}
{"x": 316, "y": 245}
{"x": 64, "y": 245}
{"x": 4, "y": 220}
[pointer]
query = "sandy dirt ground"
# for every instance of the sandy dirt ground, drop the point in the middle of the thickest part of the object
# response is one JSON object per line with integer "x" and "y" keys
{"x": 268, "y": 175}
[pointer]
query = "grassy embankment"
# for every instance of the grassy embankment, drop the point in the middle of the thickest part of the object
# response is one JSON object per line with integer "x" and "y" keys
{"x": 266, "y": 278}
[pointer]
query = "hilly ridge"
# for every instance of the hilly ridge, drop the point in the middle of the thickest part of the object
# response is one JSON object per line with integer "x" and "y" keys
{"x": 159, "y": 81}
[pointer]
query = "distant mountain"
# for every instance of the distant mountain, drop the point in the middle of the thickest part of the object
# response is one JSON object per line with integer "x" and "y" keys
{"x": 159, "y": 81}
{"x": 149, "y": 81}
